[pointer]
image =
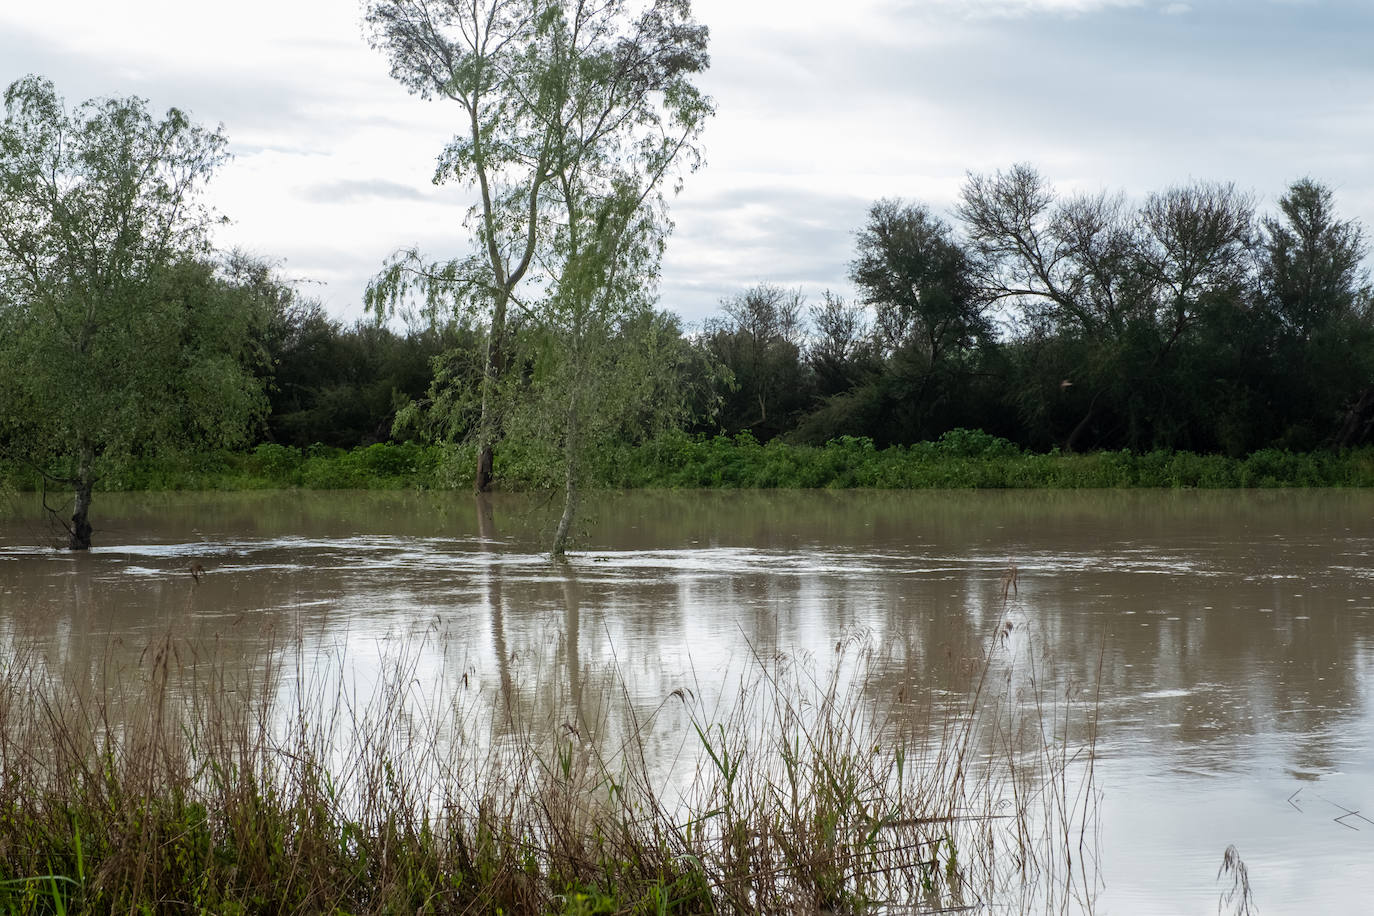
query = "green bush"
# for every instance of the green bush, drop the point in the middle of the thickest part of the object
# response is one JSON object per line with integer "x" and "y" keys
{"x": 959, "y": 459}
{"x": 974, "y": 443}
{"x": 277, "y": 461}
{"x": 384, "y": 460}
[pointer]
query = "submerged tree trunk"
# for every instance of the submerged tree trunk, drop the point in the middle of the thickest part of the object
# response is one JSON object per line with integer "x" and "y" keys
{"x": 80, "y": 530}
{"x": 482, "y": 482}
{"x": 570, "y": 492}
{"x": 491, "y": 375}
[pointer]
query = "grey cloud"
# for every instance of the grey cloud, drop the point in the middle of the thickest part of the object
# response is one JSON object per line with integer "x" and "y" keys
{"x": 1232, "y": 90}
{"x": 257, "y": 100}
{"x": 1115, "y": 96}
{"x": 76, "y": 77}
{"x": 1103, "y": 66}
{"x": 727, "y": 241}
{"x": 352, "y": 191}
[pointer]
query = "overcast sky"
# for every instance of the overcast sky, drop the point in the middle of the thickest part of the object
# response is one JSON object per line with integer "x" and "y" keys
{"x": 822, "y": 108}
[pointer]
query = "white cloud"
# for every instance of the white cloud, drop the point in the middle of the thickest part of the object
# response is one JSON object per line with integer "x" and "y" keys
{"x": 353, "y": 191}
{"x": 823, "y": 108}
{"x": 1013, "y": 9}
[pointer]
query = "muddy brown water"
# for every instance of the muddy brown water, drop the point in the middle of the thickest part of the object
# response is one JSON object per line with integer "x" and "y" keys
{"x": 1230, "y": 635}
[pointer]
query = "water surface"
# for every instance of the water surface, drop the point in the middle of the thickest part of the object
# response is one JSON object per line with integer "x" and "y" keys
{"x": 1230, "y": 636}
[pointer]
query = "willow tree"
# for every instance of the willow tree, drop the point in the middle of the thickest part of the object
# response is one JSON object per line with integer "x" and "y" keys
{"x": 564, "y": 106}
{"x": 115, "y": 334}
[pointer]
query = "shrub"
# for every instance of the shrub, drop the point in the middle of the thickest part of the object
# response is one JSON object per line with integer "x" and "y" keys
{"x": 277, "y": 461}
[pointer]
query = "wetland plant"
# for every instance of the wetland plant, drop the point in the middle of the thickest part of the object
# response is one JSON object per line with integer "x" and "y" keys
{"x": 189, "y": 781}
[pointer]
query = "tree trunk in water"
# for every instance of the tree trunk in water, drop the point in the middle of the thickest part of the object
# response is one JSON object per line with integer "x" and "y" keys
{"x": 560, "y": 537}
{"x": 570, "y": 499}
{"x": 482, "y": 483}
{"x": 491, "y": 374}
{"x": 80, "y": 530}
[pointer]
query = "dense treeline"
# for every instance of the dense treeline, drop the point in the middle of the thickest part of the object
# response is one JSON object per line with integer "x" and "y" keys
{"x": 1187, "y": 322}
{"x": 341, "y": 386}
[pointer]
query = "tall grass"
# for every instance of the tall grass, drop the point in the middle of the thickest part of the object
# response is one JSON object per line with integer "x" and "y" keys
{"x": 188, "y": 782}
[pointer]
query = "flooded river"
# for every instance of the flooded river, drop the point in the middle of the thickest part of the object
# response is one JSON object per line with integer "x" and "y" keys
{"x": 1229, "y": 636}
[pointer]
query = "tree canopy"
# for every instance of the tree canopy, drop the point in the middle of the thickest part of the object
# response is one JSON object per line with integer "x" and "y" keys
{"x": 571, "y": 113}
{"x": 116, "y": 332}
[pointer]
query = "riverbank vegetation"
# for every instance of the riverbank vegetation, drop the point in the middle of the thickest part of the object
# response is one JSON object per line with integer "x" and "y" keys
{"x": 774, "y": 393}
{"x": 184, "y": 779}
{"x": 960, "y": 459}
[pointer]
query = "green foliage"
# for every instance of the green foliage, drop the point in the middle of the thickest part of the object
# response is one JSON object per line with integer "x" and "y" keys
{"x": 278, "y": 461}
{"x": 758, "y": 342}
{"x": 346, "y": 386}
{"x": 450, "y": 409}
{"x": 1311, "y": 271}
{"x": 117, "y": 334}
{"x": 931, "y": 324}
{"x": 574, "y": 117}
{"x": 974, "y": 443}
{"x": 269, "y": 466}
{"x": 960, "y": 459}
{"x": 966, "y": 459}
{"x": 1181, "y": 328}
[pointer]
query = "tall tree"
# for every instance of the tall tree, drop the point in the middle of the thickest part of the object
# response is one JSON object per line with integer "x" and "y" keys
{"x": 1062, "y": 266}
{"x": 608, "y": 211}
{"x": 615, "y": 384}
{"x": 1313, "y": 286}
{"x": 759, "y": 340}
{"x": 1311, "y": 271}
{"x": 115, "y": 334}
{"x": 931, "y": 316}
{"x": 1192, "y": 272}
{"x": 1131, "y": 285}
{"x": 544, "y": 88}
{"x": 917, "y": 279}
{"x": 839, "y": 352}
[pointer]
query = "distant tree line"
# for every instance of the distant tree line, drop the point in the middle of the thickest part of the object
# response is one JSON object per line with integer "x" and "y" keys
{"x": 1188, "y": 321}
